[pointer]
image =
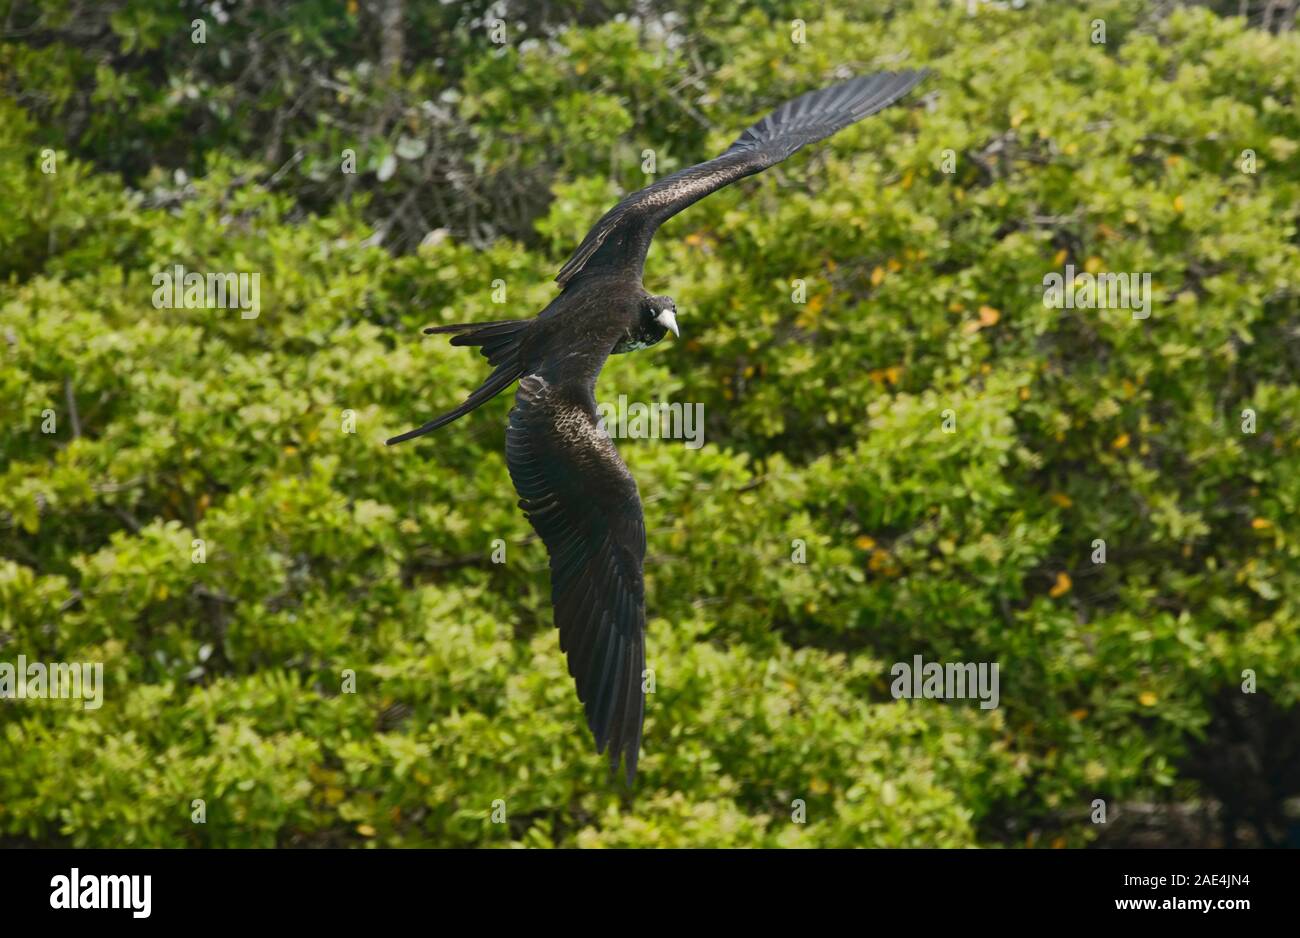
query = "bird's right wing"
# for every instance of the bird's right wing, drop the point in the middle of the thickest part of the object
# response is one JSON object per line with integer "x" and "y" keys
{"x": 622, "y": 237}
{"x": 583, "y": 502}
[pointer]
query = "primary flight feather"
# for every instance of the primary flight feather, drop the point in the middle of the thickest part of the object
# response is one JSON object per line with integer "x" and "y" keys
{"x": 573, "y": 487}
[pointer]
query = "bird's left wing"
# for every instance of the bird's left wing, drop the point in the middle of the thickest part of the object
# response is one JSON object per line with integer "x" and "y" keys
{"x": 622, "y": 237}
{"x": 583, "y": 501}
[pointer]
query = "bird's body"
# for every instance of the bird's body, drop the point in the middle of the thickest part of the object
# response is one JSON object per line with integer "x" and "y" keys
{"x": 575, "y": 490}
{"x": 603, "y": 308}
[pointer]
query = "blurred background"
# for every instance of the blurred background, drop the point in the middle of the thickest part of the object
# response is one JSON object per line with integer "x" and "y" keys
{"x": 346, "y": 666}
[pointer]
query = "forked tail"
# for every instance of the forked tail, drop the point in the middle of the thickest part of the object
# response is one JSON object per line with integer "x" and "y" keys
{"x": 499, "y": 343}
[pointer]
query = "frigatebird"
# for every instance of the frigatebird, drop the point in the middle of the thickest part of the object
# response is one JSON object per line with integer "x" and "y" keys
{"x": 573, "y": 487}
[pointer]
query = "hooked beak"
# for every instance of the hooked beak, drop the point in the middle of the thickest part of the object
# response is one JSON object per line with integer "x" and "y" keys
{"x": 668, "y": 319}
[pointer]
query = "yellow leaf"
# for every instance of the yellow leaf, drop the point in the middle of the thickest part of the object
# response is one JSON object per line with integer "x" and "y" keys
{"x": 1092, "y": 265}
{"x": 1061, "y": 499}
{"x": 1260, "y": 524}
{"x": 989, "y": 316}
{"x": 1060, "y": 257}
{"x": 1147, "y": 699}
{"x": 880, "y": 562}
{"x": 365, "y": 830}
{"x": 865, "y": 542}
{"x": 1178, "y": 203}
{"x": 877, "y": 275}
{"x": 1080, "y": 714}
{"x": 1120, "y": 441}
{"x": 1062, "y": 585}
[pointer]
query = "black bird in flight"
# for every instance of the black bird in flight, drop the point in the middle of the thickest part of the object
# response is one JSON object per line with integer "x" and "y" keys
{"x": 575, "y": 490}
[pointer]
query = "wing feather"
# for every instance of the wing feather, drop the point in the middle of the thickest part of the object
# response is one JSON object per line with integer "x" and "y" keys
{"x": 583, "y": 502}
{"x": 621, "y": 239}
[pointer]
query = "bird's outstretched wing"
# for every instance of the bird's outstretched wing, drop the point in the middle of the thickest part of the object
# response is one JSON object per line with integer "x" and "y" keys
{"x": 622, "y": 237}
{"x": 583, "y": 501}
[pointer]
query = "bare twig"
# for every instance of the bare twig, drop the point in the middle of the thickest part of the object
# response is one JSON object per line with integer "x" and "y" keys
{"x": 71, "y": 397}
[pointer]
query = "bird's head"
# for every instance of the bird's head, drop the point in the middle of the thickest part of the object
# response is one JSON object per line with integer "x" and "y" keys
{"x": 658, "y": 318}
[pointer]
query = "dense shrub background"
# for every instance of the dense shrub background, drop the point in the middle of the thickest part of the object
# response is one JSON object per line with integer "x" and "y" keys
{"x": 479, "y": 162}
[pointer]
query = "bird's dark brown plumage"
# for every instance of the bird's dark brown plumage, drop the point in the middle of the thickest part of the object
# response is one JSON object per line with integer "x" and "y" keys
{"x": 575, "y": 490}
{"x": 622, "y": 237}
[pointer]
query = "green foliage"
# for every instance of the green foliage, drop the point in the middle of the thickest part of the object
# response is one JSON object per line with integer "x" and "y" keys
{"x": 328, "y": 553}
